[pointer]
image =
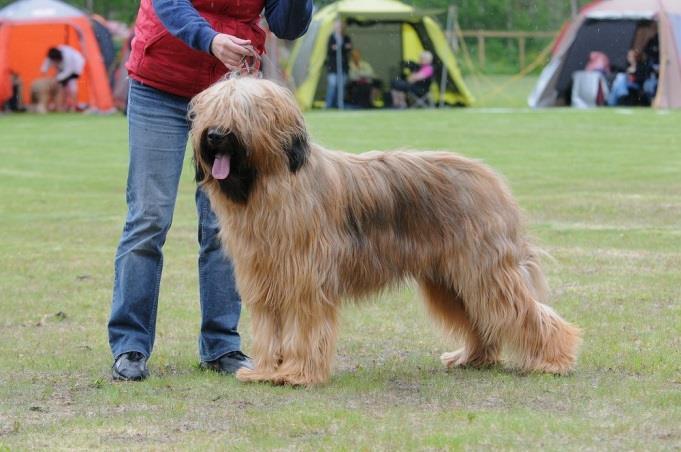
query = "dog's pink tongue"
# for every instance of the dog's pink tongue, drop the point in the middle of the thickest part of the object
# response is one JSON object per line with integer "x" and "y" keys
{"x": 221, "y": 167}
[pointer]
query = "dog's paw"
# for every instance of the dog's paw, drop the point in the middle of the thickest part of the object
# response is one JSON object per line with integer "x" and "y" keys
{"x": 246, "y": 375}
{"x": 253, "y": 376}
{"x": 557, "y": 368}
{"x": 463, "y": 358}
{"x": 292, "y": 380}
{"x": 454, "y": 359}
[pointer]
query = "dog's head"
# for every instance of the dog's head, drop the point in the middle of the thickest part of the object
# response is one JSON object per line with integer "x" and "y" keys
{"x": 243, "y": 129}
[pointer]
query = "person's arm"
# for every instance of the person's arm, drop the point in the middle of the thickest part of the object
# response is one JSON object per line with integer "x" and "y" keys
{"x": 425, "y": 72}
{"x": 45, "y": 66}
{"x": 288, "y": 19}
{"x": 183, "y": 21}
{"x": 347, "y": 43}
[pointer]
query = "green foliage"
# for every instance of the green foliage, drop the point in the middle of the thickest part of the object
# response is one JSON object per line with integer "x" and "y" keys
{"x": 472, "y": 14}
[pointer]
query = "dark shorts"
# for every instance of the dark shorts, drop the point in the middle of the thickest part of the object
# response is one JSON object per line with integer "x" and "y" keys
{"x": 68, "y": 79}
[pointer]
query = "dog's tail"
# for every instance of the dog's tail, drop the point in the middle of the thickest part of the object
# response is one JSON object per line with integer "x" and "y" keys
{"x": 543, "y": 341}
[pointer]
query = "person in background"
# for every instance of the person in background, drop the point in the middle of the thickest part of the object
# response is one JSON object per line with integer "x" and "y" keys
{"x": 651, "y": 55}
{"x": 180, "y": 48}
{"x": 15, "y": 102}
{"x": 335, "y": 78}
{"x": 627, "y": 88}
{"x": 359, "y": 69}
{"x": 363, "y": 87}
{"x": 69, "y": 64}
{"x": 598, "y": 62}
{"x": 418, "y": 82}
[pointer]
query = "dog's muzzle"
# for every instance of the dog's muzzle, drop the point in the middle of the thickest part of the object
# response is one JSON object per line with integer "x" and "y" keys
{"x": 216, "y": 144}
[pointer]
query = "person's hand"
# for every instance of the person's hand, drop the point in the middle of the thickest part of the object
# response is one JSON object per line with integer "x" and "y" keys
{"x": 231, "y": 50}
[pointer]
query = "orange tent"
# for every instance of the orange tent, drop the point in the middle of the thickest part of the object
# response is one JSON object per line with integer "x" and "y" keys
{"x": 28, "y": 28}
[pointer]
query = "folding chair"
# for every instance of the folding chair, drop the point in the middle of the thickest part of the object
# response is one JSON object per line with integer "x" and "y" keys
{"x": 421, "y": 97}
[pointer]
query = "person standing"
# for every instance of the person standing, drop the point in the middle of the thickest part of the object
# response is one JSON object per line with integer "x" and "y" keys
{"x": 180, "y": 48}
{"x": 70, "y": 64}
{"x": 337, "y": 75}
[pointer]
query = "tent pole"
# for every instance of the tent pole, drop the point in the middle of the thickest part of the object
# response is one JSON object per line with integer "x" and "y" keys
{"x": 451, "y": 13}
{"x": 340, "y": 83}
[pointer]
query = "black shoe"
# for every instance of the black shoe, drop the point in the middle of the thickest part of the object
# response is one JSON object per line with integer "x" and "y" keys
{"x": 131, "y": 366}
{"x": 228, "y": 363}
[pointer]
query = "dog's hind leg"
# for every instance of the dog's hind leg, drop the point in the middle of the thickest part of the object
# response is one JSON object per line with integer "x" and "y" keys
{"x": 505, "y": 302}
{"x": 447, "y": 308}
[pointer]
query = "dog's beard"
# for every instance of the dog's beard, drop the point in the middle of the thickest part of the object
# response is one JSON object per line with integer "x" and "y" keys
{"x": 227, "y": 158}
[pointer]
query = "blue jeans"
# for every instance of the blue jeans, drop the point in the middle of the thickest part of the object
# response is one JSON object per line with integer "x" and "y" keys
{"x": 158, "y": 132}
{"x": 620, "y": 88}
{"x": 332, "y": 87}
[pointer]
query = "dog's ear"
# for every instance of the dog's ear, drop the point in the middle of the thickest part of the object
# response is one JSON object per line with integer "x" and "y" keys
{"x": 200, "y": 174}
{"x": 297, "y": 152}
{"x": 199, "y": 144}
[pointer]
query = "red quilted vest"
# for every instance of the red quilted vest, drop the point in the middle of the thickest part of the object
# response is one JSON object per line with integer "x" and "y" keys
{"x": 160, "y": 60}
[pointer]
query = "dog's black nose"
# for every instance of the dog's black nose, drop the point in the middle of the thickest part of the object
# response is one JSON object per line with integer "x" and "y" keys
{"x": 214, "y": 136}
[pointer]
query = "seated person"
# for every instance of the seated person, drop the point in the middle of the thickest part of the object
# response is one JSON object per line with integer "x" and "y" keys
{"x": 651, "y": 54}
{"x": 363, "y": 87}
{"x": 598, "y": 62}
{"x": 418, "y": 82}
{"x": 15, "y": 102}
{"x": 590, "y": 86}
{"x": 627, "y": 88}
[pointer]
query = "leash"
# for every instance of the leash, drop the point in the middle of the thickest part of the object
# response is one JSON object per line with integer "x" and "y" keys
{"x": 250, "y": 66}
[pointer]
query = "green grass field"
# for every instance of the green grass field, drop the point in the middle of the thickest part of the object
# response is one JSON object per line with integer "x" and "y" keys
{"x": 602, "y": 193}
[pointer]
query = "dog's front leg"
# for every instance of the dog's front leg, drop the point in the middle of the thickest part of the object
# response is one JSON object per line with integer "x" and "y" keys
{"x": 308, "y": 344}
{"x": 266, "y": 349}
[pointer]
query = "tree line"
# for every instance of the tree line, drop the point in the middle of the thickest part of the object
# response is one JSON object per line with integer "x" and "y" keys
{"x": 472, "y": 14}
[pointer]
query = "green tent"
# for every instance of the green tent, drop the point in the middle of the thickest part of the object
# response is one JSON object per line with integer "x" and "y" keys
{"x": 386, "y": 32}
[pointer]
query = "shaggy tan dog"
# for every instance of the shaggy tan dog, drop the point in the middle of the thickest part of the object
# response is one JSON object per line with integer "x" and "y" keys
{"x": 307, "y": 227}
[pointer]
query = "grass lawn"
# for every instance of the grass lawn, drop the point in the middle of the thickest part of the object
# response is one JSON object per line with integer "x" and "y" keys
{"x": 602, "y": 193}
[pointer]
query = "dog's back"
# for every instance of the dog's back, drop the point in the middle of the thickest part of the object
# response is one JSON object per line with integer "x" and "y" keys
{"x": 409, "y": 213}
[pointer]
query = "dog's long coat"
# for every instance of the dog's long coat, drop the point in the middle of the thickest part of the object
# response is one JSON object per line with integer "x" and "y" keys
{"x": 307, "y": 227}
